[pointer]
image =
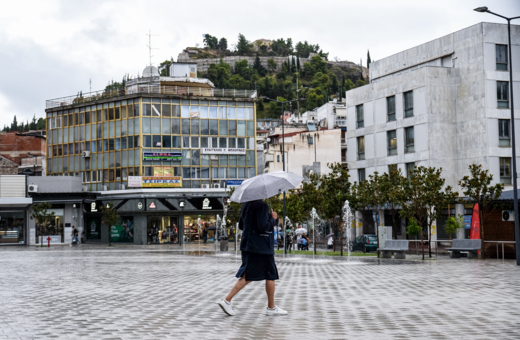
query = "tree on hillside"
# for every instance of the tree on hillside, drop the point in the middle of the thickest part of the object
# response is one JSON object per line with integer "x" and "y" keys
{"x": 210, "y": 41}
{"x": 258, "y": 67}
{"x": 243, "y": 45}
{"x": 477, "y": 188}
{"x": 368, "y": 59}
{"x": 271, "y": 64}
{"x": 222, "y": 44}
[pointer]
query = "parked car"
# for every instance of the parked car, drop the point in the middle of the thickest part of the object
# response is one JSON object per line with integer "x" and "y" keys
{"x": 364, "y": 243}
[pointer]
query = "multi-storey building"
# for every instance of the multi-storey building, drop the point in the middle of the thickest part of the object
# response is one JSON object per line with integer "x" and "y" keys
{"x": 170, "y": 138}
{"x": 443, "y": 104}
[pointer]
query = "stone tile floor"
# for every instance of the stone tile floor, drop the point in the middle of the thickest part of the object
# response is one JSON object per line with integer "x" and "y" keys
{"x": 149, "y": 293}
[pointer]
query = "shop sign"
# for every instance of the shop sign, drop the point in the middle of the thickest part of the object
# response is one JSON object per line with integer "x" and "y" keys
{"x": 467, "y": 221}
{"x": 140, "y": 206}
{"x": 162, "y": 156}
{"x": 152, "y": 205}
{"x": 234, "y": 183}
{"x": 134, "y": 181}
{"x": 223, "y": 151}
{"x": 161, "y": 182}
{"x": 93, "y": 207}
{"x": 205, "y": 204}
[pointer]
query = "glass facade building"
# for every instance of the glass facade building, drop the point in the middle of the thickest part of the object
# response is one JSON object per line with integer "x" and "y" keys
{"x": 104, "y": 141}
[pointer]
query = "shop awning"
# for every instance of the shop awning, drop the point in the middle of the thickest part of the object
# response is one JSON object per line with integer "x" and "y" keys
{"x": 15, "y": 202}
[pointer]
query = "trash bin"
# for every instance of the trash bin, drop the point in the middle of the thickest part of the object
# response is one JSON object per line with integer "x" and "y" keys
{"x": 223, "y": 245}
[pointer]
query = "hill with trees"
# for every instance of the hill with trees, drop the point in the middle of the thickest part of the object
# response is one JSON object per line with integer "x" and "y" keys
{"x": 277, "y": 69}
{"x": 34, "y": 124}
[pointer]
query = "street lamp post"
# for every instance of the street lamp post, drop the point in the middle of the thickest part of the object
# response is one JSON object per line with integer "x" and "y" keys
{"x": 283, "y": 158}
{"x": 515, "y": 188}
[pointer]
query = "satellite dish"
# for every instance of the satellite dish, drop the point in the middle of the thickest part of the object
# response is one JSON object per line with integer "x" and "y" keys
{"x": 150, "y": 71}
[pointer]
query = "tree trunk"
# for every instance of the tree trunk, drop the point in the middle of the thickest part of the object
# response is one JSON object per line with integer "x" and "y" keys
{"x": 377, "y": 231}
{"x": 109, "y": 237}
{"x": 334, "y": 238}
{"x": 394, "y": 227}
{"x": 422, "y": 242}
{"x": 430, "y": 238}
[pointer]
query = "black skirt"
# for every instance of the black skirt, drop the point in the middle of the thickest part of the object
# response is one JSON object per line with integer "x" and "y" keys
{"x": 257, "y": 267}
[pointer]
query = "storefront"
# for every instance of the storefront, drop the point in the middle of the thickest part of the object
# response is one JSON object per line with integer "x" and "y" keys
{"x": 12, "y": 227}
{"x": 156, "y": 216}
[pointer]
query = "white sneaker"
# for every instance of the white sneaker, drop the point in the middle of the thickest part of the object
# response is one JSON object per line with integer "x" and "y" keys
{"x": 226, "y": 307}
{"x": 276, "y": 311}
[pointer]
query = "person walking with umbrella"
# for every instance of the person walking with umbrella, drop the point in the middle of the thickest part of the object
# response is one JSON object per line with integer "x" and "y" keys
{"x": 257, "y": 245}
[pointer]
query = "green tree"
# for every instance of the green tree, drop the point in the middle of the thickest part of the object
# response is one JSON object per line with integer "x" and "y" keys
{"x": 335, "y": 188}
{"x": 41, "y": 124}
{"x": 271, "y": 64}
{"x": 349, "y": 85}
{"x": 453, "y": 224}
{"x": 319, "y": 64}
{"x": 375, "y": 194}
{"x": 109, "y": 217}
{"x": 243, "y": 45}
{"x": 222, "y": 44}
{"x": 14, "y": 124}
{"x": 210, "y": 41}
{"x": 258, "y": 67}
{"x": 477, "y": 188}
{"x": 425, "y": 197}
{"x": 394, "y": 196}
{"x": 41, "y": 213}
{"x": 368, "y": 59}
{"x": 413, "y": 230}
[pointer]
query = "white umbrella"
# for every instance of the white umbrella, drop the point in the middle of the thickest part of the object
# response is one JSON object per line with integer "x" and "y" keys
{"x": 265, "y": 186}
{"x": 301, "y": 231}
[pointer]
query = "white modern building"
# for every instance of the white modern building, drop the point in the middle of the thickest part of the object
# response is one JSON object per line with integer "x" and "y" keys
{"x": 451, "y": 93}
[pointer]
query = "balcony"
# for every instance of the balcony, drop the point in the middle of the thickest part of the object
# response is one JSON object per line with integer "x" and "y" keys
{"x": 341, "y": 121}
{"x": 343, "y": 159}
{"x": 195, "y": 91}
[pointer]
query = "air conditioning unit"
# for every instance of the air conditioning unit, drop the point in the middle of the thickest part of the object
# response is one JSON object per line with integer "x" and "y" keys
{"x": 105, "y": 188}
{"x": 84, "y": 188}
{"x": 85, "y": 154}
{"x": 123, "y": 187}
{"x": 216, "y": 185}
{"x": 32, "y": 188}
{"x": 205, "y": 186}
{"x": 508, "y": 215}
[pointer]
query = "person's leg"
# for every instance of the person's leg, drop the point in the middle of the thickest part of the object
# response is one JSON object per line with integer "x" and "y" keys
{"x": 241, "y": 283}
{"x": 269, "y": 289}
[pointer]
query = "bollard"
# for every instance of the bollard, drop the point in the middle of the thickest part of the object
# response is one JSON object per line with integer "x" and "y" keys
{"x": 49, "y": 242}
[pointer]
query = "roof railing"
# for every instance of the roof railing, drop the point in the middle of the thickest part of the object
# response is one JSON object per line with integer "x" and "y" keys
{"x": 195, "y": 91}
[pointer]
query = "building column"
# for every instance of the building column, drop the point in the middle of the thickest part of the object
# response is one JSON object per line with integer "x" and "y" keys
{"x": 140, "y": 229}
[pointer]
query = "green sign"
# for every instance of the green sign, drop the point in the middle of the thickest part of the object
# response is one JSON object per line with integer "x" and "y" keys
{"x": 123, "y": 231}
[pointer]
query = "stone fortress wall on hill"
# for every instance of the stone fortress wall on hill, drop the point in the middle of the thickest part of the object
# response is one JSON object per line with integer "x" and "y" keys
{"x": 203, "y": 63}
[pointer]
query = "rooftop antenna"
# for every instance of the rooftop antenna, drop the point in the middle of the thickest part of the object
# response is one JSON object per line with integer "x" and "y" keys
{"x": 90, "y": 83}
{"x": 150, "y": 44}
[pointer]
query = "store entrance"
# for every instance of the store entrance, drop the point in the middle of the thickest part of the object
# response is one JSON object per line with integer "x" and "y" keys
{"x": 163, "y": 229}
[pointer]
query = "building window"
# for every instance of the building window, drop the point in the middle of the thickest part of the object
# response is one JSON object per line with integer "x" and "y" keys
{"x": 390, "y": 108}
{"x": 360, "y": 116}
{"x": 392, "y": 142}
{"x": 361, "y": 148}
{"x": 278, "y": 158}
{"x": 361, "y": 175}
{"x": 409, "y": 168}
{"x": 409, "y": 140}
{"x": 505, "y": 170}
{"x": 392, "y": 168}
{"x": 501, "y": 55}
{"x": 502, "y": 94}
{"x": 504, "y": 137}
{"x": 408, "y": 104}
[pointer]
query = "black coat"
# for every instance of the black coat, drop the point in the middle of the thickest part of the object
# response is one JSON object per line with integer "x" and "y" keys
{"x": 258, "y": 226}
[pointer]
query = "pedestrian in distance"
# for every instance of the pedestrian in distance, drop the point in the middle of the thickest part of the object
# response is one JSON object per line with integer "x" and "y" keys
{"x": 257, "y": 248}
{"x": 74, "y": 235}
{"x": 205, "y": 233}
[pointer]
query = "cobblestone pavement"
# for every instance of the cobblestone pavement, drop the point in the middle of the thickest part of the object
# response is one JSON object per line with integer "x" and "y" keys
{"x": 77, "y": 293}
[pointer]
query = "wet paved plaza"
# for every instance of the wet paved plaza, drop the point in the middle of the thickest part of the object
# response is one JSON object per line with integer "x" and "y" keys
{"x": 83, "y": 293}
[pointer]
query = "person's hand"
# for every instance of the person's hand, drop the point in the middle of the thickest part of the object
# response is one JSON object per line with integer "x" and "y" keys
{"x": 274, "y": 214}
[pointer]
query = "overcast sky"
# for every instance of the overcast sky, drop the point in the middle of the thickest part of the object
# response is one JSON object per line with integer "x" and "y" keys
{"x": 50, "y": 49}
